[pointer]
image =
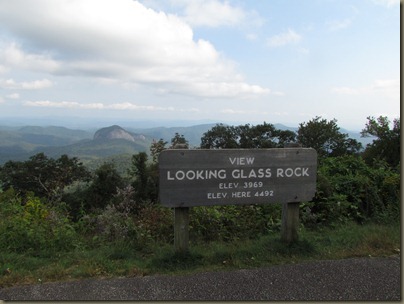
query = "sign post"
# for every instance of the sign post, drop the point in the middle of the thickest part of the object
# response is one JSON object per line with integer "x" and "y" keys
{"x": 181, "y": 222}
{"x": 290, "y": 222}
{"x": 191, "y": 178}
{"x": 181, "y": 229}
{"x": 290, "y": 215}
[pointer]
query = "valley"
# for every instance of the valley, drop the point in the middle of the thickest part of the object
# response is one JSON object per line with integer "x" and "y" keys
{"x": 94, "y": 146}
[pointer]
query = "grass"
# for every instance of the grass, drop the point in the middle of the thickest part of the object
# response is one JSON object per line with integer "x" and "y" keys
{"x": 345, "y": 241}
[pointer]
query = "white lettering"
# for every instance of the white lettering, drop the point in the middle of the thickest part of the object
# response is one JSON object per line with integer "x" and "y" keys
{"x": 217, "y": 195}
{"x": 241, "y": 194}
{"x": 250, "y": 160}
{"x": 196, "y": 174}
{"x": 235, "y": 173}
{"x": 253, "y": 173}
{"x": 169, "y": 176}
{"x": 241, "y": 161}
{"x": 290, "y": 172}
{"x": 180, "y": 175}
{"x": 190, "y": 175}
{"x": 228, "y": 185}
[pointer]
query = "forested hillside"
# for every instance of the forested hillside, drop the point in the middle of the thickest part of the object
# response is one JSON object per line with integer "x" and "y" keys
{"x": 20, "y": 143}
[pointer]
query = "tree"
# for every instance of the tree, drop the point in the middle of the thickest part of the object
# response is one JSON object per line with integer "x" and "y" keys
{"x": 140, "y": 173}
{"x": 386, "y": 146}
{"x": 44, "y": 176}
{"x": 325, "y": 137}
{"x": 246, "y": 137}
{"x": 179, "y": 140}
{"x": 263, "y": 136}
{"x": 220, "y": 137}
{"x": 104, "y": 186}
{"x": 156, "y": 148}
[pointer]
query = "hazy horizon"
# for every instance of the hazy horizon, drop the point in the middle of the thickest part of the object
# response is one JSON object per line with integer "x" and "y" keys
{"x": 96, "y": 123}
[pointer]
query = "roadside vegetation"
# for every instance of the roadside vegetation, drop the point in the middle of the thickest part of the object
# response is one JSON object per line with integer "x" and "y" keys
{"x": 62, "y": 221}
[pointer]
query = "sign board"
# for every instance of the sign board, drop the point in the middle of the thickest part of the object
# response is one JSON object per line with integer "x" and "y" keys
{"x": 236, "y": 176}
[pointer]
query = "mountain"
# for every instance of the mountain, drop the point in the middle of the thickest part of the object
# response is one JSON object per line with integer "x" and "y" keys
{"x": 193, "y": 133}
{"x": 20, "y": 143}
{"x": 98, "y": 145}
{"x": 116, "y": 132}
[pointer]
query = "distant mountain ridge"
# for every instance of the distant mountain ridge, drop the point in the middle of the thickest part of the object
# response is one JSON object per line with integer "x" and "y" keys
{"x": 19, "y": 143}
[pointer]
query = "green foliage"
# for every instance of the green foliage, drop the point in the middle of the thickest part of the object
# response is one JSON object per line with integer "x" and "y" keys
{"x": 156, "y": 148}
{"x": 104, "y": 185}
{"x": 117, "y": 225}
{"x": 386, "y": 146}
{"x": 232, "y": 222}
{"x": 325, "y": 137}
{"x": 44, "y": 176}
{"x": 29, "y": 225}
{"x": 179, "y": 140}
{"x": 349, "y": 189}
{"x": 156, "y": 222}
{"x": 246, "y": 137}
{"x": 145, "y": 178}
{"x": 220, "y": 137}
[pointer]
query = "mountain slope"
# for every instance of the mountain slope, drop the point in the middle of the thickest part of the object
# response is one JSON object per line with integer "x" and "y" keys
{"x": 116, "y": 132}
{"x": 19, "y": 143}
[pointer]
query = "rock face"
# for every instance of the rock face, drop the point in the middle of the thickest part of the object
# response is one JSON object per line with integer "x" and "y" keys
{"x": 116, "y": 132}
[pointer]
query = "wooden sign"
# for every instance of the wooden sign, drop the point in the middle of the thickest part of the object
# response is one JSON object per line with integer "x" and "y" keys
{"x": 236, "y": 176}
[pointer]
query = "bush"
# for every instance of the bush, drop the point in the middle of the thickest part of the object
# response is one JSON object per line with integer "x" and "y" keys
{"x": 349, "y": 189}
{"x": 124, "y": 221}
{"x": 232, "y": 222}
{"x": 30, "y": 225}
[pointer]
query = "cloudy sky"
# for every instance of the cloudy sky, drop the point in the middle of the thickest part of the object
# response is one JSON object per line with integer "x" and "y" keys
{"x": 240, "y": 61}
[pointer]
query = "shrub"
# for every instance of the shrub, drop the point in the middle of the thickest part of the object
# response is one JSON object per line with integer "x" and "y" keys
{"x": 349, "y": 189}
{"x": 232, "y": 222}
{"x": 28, "y": 224}
{"x": 125, "y": 221}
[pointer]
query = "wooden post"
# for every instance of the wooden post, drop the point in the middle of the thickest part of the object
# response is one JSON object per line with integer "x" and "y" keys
{"x": 290, "y": 222}
{"x": 181, "y": 229}
{"x": 290, "y": 214}
{"x": 181, "y": 222}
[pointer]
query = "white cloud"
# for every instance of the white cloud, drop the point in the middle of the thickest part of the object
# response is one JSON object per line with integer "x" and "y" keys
{"x": 124, "y": 106}
{"x": 11, "y": 56}
{"x": 26, "y": 85}
{"x": 63, "y": 104}
{"x": 211, "y": 13}
{"x": 120, "y": 40}
{"x": 387, "y": 87}
{"x": 288, "y": 37}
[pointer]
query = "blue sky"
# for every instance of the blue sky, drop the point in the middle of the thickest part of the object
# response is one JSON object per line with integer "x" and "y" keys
{"x": 225, "y": 61}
